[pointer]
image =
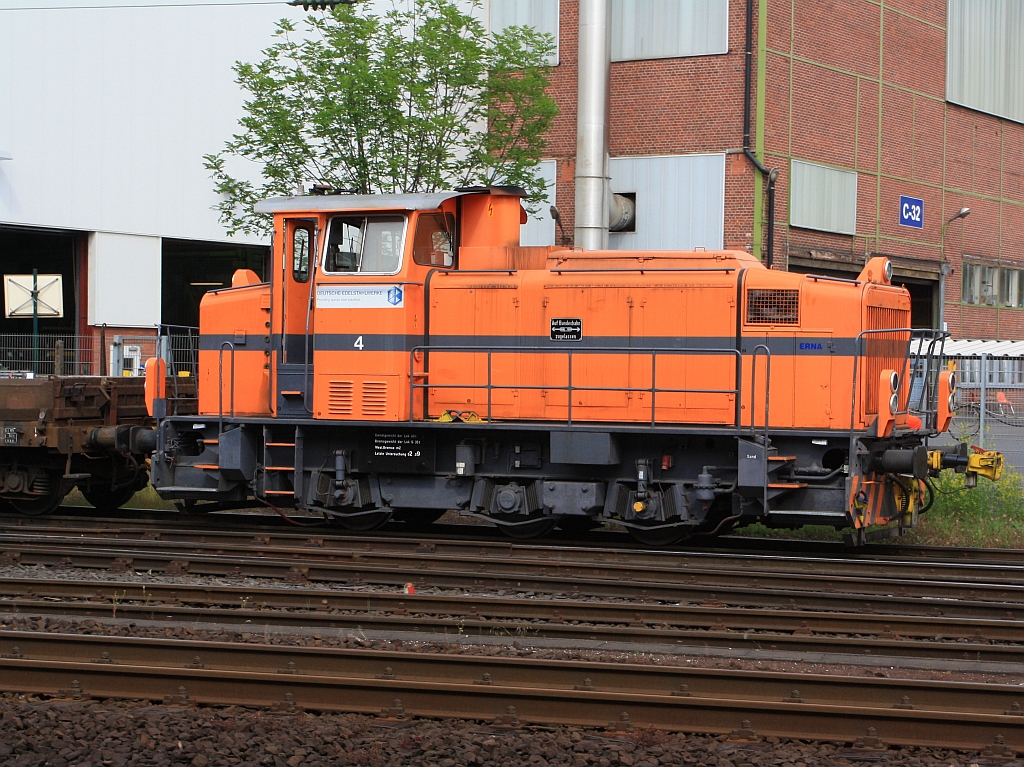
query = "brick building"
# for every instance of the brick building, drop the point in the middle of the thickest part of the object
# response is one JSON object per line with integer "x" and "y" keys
{"x": 869, "y": 109}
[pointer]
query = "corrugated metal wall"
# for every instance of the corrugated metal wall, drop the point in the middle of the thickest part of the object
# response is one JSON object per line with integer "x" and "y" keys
{"x": 985, "y": 56}
{"x": 542, "y": 15}
{"x": 655, "y": 29}
{"x": 822, "y": 198}
{"x": 539, "y": 229}
{"x": 680, "y": 201}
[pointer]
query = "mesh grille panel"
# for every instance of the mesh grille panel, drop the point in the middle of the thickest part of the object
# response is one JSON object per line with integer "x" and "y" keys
{"x": 884, "y": 351}
{"x": 773, "y": 307}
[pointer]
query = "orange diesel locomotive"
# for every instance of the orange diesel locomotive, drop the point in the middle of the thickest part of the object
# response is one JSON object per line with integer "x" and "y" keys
{"x": 407, "y": 356}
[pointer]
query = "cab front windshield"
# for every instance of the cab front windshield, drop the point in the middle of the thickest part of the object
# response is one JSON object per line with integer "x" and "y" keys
{"x": 370, "y": 244}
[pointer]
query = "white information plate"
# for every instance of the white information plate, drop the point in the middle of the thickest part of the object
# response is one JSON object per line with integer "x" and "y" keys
{"x": 18, "y": 295}
{"x": 360, "y": 297}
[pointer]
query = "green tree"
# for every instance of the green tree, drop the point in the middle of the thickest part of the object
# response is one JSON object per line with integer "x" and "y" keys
{"x": 419, "y": 99}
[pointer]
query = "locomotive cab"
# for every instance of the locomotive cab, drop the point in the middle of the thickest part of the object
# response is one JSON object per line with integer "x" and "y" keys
{"x": 408, "y": 356}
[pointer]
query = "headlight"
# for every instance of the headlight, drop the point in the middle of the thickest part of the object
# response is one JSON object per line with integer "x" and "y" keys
{"x": 952, "y": 382}
{"x": 893, "y": 403}
{"x": 894, "y": 381}
{"x": 888, "y": 271}
{"x": 951, "y": 401}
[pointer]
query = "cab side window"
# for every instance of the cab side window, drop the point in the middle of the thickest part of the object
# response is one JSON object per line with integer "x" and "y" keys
{"x": 369, "y": 244}
{"x": 302, "y": 247}
{"x": 433, "y": 243}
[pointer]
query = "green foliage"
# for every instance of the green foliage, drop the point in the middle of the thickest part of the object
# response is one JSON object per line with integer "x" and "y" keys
{"x": 416, "y": 100}
{"x": 990, "y": 515}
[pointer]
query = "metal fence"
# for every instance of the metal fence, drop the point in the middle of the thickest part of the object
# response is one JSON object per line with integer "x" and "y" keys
{"x": 27, "y": 356}
{"x": 990, "y": 405}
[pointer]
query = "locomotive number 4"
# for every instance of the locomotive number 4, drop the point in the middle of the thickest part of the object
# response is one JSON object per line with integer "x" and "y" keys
{"x": 359, "y": 343}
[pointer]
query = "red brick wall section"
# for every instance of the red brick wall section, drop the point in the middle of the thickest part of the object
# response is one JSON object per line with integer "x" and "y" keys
{"x": 854, "y": 84}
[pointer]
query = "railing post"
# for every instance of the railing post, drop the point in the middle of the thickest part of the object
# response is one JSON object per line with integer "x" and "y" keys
{"x": 117, "y": 356}
{"x": 58, "y": 357}
{"x": 103, "y": 349}
{"x": 984, "y": 397}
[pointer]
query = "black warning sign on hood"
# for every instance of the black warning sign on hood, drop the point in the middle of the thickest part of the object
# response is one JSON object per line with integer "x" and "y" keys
{"x": 566, "y": 329}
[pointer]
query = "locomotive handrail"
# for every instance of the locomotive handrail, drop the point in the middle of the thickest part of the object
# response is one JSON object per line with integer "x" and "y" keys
{"x": 570, "y": 387}
{"x": 220, "y": 384}
{"x": 643, "y": 269}
{"x": 860, "y": 350}
{"x": 767, "y": 398}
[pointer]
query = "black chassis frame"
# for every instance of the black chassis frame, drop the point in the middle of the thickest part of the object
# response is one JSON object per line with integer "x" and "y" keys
{"x": 513, "y": 471}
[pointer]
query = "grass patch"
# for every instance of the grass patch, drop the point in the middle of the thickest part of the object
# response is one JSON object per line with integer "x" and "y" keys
{"x": 805, "y": 533}
{"x": 988, "y": 516}
{"x": 146, "y": 498}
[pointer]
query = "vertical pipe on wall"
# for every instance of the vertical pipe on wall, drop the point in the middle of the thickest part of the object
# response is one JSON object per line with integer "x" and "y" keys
{"x": 592, "y": 125}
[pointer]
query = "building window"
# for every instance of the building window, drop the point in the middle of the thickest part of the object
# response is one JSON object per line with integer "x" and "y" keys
{"x": 981, "y": 286}
{"x": 985, "y": 56}
{"x": 660, "y": 29}
{"x": 989, "y": 285}
{"x": 970, "y": 284}
{"x": 822, "y": 198}
{"x": 542, "y": 15}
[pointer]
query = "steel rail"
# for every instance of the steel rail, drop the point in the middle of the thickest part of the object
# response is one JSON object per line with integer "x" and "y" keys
{"x": 761, "y": 590}
{"x": 859, "y": 563}
{"x": 983, "y": 698}
{"x": 142, "y": 595}
{"x": 513, "y": 702}
{"x": 554, "y": 619}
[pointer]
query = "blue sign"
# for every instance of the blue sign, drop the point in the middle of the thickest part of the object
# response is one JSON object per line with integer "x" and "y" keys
{"x": 911, "y": 212}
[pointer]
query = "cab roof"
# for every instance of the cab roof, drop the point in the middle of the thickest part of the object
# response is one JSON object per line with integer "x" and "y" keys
{"x": 417, "y": 201}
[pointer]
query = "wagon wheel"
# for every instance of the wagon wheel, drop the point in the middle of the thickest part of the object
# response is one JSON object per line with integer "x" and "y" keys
{"x": 362, "y": 523}
{"x": 533, "y": 529}
{"x": 44, "y": 504}
{"x": 659, "y": 536}
{"x": 102, "y": 497}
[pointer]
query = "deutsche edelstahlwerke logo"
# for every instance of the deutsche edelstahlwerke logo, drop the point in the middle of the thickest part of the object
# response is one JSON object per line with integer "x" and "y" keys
{"x": 395, "y": 296}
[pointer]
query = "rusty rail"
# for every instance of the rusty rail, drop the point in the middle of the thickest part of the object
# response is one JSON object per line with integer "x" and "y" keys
{"x": 514, "y": 691}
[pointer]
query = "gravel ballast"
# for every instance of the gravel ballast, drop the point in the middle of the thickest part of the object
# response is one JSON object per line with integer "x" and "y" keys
{"x": 35, "y": 732}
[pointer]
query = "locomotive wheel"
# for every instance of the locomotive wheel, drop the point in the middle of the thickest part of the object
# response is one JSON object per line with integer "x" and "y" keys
{"x": 534, "y": 529}
{"x": 102, "y": 497}
{"x": 658, "y": 536}
{"x": 419, "y": 519}
{"x": 361, "y": 523}
{"x": 44, "y": 504}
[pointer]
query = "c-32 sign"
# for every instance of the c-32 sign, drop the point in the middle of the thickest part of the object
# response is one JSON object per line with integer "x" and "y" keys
{"x": 911, "y": 212}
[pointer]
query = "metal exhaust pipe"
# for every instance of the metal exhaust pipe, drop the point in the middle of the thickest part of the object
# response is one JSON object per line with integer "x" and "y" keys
{"x": 592, "y": 193}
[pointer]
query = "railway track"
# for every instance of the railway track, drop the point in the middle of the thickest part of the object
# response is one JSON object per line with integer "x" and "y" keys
{"x": 170, "y": 522}
{"x": 861, "y": 576}
{"x": 950, "y": 608}
{"x": 512, "y": 691}
{"x": 484, "y": 616}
